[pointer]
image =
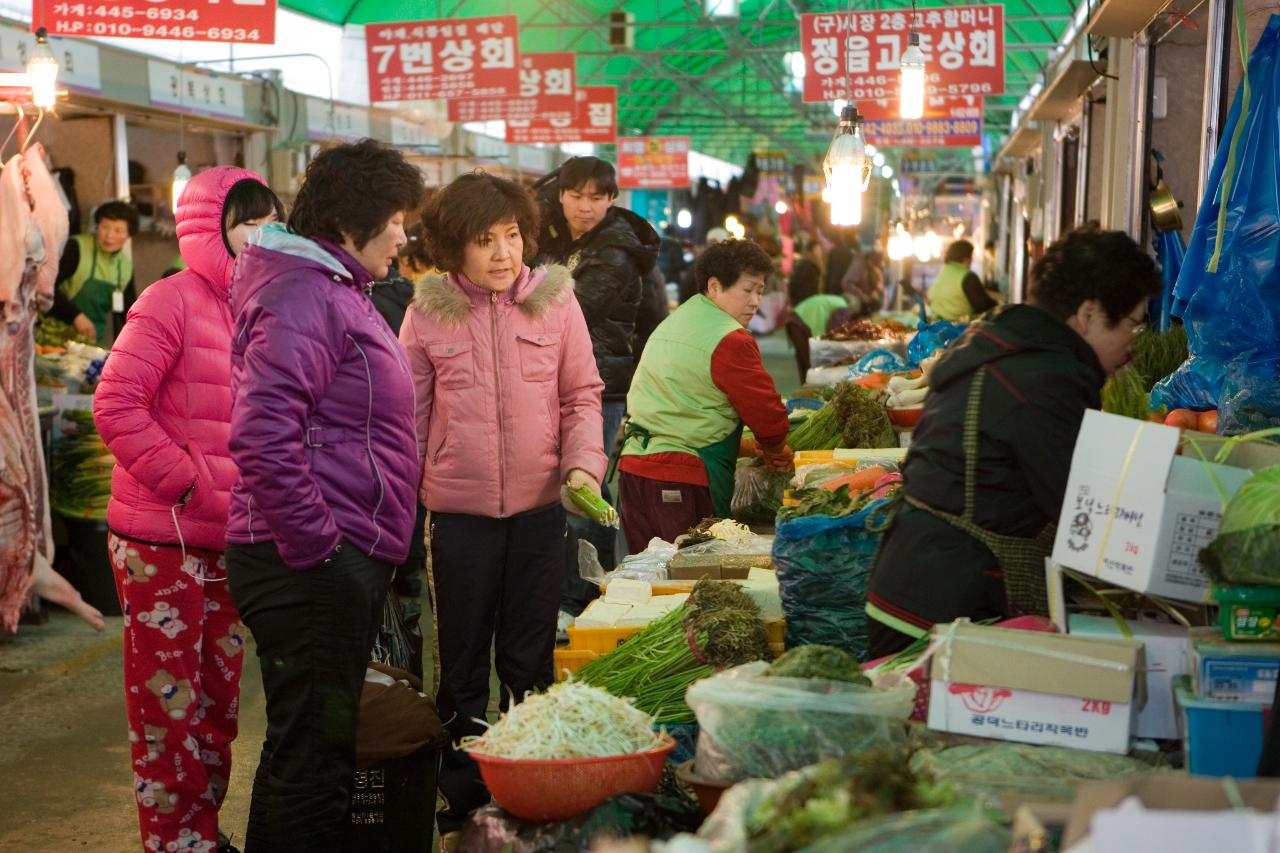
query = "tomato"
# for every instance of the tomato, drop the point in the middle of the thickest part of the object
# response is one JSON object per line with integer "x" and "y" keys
{"x": 1182, "y": 419}
{"x": 1207, "y": 421}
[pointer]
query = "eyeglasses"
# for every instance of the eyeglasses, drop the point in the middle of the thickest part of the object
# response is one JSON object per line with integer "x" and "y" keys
{"x": 1137, "y": 327}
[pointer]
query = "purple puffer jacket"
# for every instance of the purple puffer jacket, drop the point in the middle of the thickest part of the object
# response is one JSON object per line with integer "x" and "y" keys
{"x": 322, "y": 419}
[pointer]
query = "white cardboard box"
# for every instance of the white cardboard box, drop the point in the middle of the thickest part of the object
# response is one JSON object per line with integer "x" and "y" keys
{"x": 1135, "y": 513}
{"x": 1165, "y": 652}
{"x": 1034, "y": 687}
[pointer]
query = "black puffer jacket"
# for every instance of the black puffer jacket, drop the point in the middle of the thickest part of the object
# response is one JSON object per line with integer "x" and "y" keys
{"x": 608, "y": 264}
{"x": 1041, "y": 376}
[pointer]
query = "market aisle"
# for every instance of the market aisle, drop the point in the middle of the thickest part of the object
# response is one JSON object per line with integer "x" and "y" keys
{"x": 64, "y": 756}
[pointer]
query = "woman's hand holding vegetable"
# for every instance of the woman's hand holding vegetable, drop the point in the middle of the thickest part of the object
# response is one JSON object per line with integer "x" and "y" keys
{"x": 578, "y": 479}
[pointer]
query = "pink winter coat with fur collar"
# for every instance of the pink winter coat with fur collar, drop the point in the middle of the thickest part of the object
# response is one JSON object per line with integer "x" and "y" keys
{"x": 163, "y": 406}
{"x": 508, "y": 397}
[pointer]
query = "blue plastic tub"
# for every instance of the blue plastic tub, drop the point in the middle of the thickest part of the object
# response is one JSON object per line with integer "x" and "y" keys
{"x": 1219, "y": 738}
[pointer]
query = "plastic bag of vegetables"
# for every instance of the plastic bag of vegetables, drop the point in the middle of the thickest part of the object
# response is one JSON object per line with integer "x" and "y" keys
{"x": 1247, "y": 548}
{"x": 926, "y": 831}
{"x": 757, "y": 725}
{"x": 810, "y": 808}
{"x": 757, "y": 492}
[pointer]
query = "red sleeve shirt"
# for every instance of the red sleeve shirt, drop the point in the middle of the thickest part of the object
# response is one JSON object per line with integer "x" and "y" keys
{"x": 738, "y": 370}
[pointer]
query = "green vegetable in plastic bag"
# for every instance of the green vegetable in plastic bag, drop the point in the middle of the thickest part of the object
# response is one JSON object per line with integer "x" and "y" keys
{"x": 757, "y": 492}
{"x": 950, "y": 830}
{"x": 825, "y": 662}
{"x": 1247, "y": 548}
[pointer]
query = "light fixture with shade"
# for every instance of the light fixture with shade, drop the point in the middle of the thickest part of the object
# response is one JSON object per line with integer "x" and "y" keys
{"x": 181, "y": 177}
{"x": 911, "y": 89}
{"x": 42, "y": 73}
{"x": 848, "y": 169}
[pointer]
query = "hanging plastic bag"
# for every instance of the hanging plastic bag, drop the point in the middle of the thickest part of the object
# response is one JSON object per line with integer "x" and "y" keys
{"x": 930, "y": 338}
{"x": 757, "y": 726}
{"x": 757, "y": 492}
{"x": 1228, "y": 291}
{"x": 1250, "y": 394}
{"x": 823, "y": 563}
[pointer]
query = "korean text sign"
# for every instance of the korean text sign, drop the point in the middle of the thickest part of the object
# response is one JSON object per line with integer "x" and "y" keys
{"x": 546, "y": 91}
{"x": 246, "y": 21}
{"x": 857, "y": 55}
{"x": 596, "y": 121}
{"x": 935, "y": 106}
{"x": 455, "y": 58}
{"x": 653, "y": 162}
{"x": 924, "y": 133}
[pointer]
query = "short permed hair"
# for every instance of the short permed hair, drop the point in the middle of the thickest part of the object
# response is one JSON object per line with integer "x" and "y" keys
{"x": 468, "y": 207}
{"x": 1089, "y": 263}
{"x": 577, "y": 172}
{"x": 119, "y": 211}
{"x": 353, "y": 191}
{"x": 959, "y": 252}
{"x": 727, "y": 260}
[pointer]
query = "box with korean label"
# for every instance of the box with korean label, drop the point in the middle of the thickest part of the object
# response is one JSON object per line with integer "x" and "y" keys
{"x": 1036, "y": 688}
{"x": 1233, "y": 672}
{"x": 1136, "y": 514}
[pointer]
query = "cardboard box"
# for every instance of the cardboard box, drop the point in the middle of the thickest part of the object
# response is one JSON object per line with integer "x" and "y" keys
{"x": 1172, "y": 812}
{"x": 1034, "y": 688}
{"x": 1137, "y": 514}
{"x": 1233, "y": 672}
{"x": 1165, "y": 654}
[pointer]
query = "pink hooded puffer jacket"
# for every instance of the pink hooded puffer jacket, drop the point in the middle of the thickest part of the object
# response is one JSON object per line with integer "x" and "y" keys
{"x": 508, "y": 397}
{"x": 164, "y": 403}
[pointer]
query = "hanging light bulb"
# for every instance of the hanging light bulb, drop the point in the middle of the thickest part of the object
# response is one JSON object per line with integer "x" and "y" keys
{"x": 181, "y": 176}
{"x": 911, "y": 81}
{"x": 848, "y": 169}
{"x": 780, "y": 207}
{"x": 42, "y": 72}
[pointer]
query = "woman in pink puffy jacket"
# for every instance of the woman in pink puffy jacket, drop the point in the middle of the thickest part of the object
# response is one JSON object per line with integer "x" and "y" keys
{"x": 163, "y": 407}
{"x": 509, "y": 418}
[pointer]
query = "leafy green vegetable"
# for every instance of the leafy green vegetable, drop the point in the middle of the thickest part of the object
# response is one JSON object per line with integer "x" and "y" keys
{"x": 819, "y": 431}
{"x": 1125, "y": 393}
{"x": 1158, "y": 354}
{"x": 1247, "y": 548}
{"x": 865, "y": 423}
{"x": 80, "y": 469}
{"x": 820, "y": 501}
{"x": 825, "y": 662}
{"x": 832, "y": 795}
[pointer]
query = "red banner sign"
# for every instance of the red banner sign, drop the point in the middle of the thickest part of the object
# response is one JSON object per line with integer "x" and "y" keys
{"x": 546, "y": 91}
{"x": 964, "y": 106}
{"x": 857, "y": 55}
{"x": 596, "y": 121}
{"x": 458, "y": 58}
{"x": 924, "y": 133}
{"x": 247, "y": 21}
{"x": 653, "y": 162}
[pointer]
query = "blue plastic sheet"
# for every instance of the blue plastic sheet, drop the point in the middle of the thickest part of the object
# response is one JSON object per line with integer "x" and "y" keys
{"x": 930, "y": 338}
{"x": 1234, "y": 313}
{"x": 823, "y": 563}
{"x": 1170, "y": 252}
{"x": 877, "y": 361}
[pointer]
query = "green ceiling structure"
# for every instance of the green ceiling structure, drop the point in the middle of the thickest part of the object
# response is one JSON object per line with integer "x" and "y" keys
{"x": 721, "y": 81}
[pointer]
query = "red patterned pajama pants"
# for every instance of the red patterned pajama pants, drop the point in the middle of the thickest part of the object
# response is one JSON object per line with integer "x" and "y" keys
{"x": 183, "y": 652}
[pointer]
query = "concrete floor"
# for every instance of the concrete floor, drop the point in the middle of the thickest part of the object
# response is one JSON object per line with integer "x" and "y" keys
{"x": 65, "y": 778}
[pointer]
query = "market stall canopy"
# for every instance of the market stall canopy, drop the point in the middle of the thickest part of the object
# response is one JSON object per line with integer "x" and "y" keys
{"x": 722, "y": 79}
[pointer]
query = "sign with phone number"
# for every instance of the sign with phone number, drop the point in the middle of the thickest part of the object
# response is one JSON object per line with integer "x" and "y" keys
{"x": 243, "y": 21}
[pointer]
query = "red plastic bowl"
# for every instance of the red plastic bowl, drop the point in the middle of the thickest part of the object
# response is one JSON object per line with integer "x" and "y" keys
{"x": 905, "y": 417}
{"x": 707, "y": 791}
{"x": 558, "y": 789}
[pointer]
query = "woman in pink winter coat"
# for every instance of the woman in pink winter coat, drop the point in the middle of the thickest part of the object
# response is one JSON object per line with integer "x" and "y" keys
{"x": 163, "y": 407}
{"x": 508, "y": 410}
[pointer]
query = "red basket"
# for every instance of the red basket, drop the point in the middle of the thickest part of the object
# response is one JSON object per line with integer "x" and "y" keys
{"x": 561, "y": 788}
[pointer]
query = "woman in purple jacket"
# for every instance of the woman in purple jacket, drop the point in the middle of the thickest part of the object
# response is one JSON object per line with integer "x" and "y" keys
{"x": 322, "y": 430}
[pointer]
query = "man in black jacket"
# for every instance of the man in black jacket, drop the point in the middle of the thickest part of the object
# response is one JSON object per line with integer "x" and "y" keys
{"x": 609, "y": 250}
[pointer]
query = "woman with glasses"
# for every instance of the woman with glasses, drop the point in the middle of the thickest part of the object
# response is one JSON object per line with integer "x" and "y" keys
{"x": 987, "y": 471}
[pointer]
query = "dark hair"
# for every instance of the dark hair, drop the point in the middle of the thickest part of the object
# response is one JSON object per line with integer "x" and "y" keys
{"x": 577, "y": 172}
{"x": 1089, "y": 263}
{"x": 416, "y": 251}
{"x": 353, "y": 191}
{"x": 246, "y": 201}
{"x": 727, "y": 260}
{"x": 959, "y": 252}
{"x": 468, "y": 207}
{"x": 120, "y": 211}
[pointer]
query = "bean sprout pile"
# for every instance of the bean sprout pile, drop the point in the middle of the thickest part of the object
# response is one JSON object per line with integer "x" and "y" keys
{"x": 731, "y": 531}
{"x": 570, "y": 720}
